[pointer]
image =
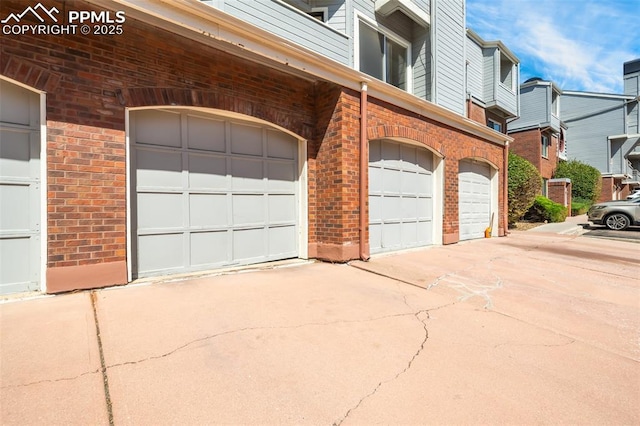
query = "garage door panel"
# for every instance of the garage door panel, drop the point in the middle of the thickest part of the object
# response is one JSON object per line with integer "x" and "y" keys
{"x": 206, "y": 134}
{"x": 208, "y": 171}
{"x": 247, "y": 175}
{"x": 15, "y": 154}
{"x": 208, "y": 210}
{"x": 474, "y": 199}
{"x": 217, "y": 200}
{"x": 281, "y": 145}
{"x": 282, "y": 241}
{"x": 390, "y": 152}
{"x": 158, "y": 168}
{"x": 391, "y": 180}
{"x": 160, "y": 252}
{"x": 158, "y": 128}
{"x": 391, "y": 208}
{"x": 282, "y": 209}
{"x": 16, "y": 211}
{"x": 375, "y": 154}
{"x": 281, "y": 176}
{"x": 160, "y": 210}
{"x": 15, "y": 104}
{"x": 15, "y": 252}
{"x": 391, "y": 236}
{"x": 246, "y": 139}
{"x": 249, "y": 245}
{"x": 248, "y": 209}
{"x": 209, "y": 248}
{"x": 400, "y": 196}
{"x": 425, "y": 160}
{"x": 20, "y": 189}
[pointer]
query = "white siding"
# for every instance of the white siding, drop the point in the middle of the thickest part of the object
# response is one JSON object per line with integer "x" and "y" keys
{"x": 591, "y": 120}
{"x": 475, "y": 70}
{"x": 535, "y": 102}
{"x": 449, "y": 30}
{"x": 291, "y": 24}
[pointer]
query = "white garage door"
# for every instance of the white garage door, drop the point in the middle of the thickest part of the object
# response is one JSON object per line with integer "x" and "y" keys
{"x": 400, "y": 196}
{"x": 211, "y": 192}
{"x": 475, "y": 199}
{"x": 19, "y": 189}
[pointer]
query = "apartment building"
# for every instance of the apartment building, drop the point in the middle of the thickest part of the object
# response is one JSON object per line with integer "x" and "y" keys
{"x": 605, "y": 133}
{"x": 143, "y": 139}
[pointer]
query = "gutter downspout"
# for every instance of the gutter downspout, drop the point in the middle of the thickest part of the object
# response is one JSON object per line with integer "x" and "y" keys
{"x": 364, "y": 166}
{"x": 506, "y": 188}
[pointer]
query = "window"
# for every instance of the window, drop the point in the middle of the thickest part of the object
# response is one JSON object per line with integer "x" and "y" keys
{"x": 555, "y": 103}
{"x": 506, "y": 72}
{"x": 494, "y": 125}
{"x": 320, "y": 13}
{"x": 382, "y": 57}
{"x": 545, "y": 187}
{"x": 545, "y": 145}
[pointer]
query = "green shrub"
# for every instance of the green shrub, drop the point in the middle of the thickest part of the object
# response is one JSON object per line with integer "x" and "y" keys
{"x": 586, "y": 183}
{"x": 579, "y": 206}
{"x": 524, "y": 184}
{"x": 545, "y": 210}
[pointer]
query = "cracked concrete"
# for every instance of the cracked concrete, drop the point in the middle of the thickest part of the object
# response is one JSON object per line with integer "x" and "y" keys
{"x": 491, "y": 331}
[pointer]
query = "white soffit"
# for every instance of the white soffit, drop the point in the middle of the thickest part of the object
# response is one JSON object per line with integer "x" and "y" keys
{"x": 387, "y": 7}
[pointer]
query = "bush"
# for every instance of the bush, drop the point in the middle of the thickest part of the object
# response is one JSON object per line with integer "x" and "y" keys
{"x": 524, "y": 184}
{"x": 579, "y": 206}
{"x": 545, "y": 210}
{"x": 585, "y": 179}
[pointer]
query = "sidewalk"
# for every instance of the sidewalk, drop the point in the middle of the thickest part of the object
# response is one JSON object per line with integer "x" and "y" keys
{"x": 531, "y": 328}
{"x": 573, "y": 225}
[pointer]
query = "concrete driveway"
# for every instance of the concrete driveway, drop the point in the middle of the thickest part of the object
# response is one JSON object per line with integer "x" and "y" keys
{"x": 532, "y": 328}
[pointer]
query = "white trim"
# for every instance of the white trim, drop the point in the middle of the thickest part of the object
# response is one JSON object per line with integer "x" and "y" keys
{"x": 127, "y": 157}
{"x": 44, "y": 223}
{"x": 360, "y": 17}
{"x": 325, "y": 13}
{"x": 303, "y": 201}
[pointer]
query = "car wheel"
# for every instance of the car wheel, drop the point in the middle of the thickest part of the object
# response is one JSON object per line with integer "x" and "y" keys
{"x": 617, "y": 221}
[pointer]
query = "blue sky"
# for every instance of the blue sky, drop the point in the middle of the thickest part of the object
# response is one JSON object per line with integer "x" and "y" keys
{"x": 578, "y": 44}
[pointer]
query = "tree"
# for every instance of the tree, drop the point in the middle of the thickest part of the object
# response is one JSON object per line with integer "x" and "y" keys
{"x": 524, "y": 184}
{"x": 585, "y": 180}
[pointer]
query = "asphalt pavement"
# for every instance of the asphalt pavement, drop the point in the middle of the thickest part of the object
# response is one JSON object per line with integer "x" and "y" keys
{"x": 533, "y": 328}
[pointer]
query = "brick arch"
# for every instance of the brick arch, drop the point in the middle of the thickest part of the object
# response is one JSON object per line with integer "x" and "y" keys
{"x": 477, "y": 153}
{"x": 30, "y": 74}
{"x": 175, "y": 97}
{"x": 404, "y": 132}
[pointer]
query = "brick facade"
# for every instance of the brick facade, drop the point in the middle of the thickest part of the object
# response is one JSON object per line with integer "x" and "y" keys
{"x": 90, "y": 81}
{"x": 527, "y": 144}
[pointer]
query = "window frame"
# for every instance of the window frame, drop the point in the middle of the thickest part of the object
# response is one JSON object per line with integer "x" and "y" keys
{"x": 545, "y": 143}
{"x": 492, "y": 125}
{"x": 315, "y": 11}
{"x": 387, "y": 34}
{"x": 511, "y": 74}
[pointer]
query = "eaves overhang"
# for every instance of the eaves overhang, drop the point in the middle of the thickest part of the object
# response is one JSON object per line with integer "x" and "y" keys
{"x": 387, "y": 7}
{"x": 206, "y": 24}
{"x": 493, "y": 43}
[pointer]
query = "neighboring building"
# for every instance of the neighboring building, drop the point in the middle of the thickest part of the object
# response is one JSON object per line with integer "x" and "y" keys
{"x": 605, "y": 133}
{"x": 599, "y": 129}
{"x": 539, "y": 134}
{"x": 223, "y": 133}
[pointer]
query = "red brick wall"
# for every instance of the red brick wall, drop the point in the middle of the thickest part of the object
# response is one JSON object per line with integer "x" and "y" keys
{"x": 476, "y": 113}
{"x": 528, "y": 145}
{"x": 388, "y": 121}
{"x": 91, "y": 80}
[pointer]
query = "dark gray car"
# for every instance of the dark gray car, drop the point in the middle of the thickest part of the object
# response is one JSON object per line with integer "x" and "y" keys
{"x": 616, "y": 214}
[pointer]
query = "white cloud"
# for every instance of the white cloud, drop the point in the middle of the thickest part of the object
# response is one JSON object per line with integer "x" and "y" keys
{"x": 580, "y": 45}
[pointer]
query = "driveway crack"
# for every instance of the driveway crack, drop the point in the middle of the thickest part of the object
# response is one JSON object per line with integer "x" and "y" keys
{"x": 422, "y": 316}
{"x": 246, "y": 329}
{"x": 61, "y": 379}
